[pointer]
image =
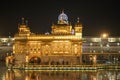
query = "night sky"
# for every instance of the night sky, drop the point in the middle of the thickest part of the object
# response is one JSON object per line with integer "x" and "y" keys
{"x": 97, "y": 16}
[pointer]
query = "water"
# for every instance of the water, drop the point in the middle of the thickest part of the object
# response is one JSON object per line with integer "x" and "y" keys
{"x": 57, "y": 75}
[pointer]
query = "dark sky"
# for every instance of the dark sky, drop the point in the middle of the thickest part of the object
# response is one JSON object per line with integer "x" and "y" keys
{"x": 97, "y": 16}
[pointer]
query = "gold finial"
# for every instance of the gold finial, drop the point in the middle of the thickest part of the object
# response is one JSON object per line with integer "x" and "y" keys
{"x": 23, "y": 20}
{"x": 62, "y": 10}
{"x": 78, "y": 20}
{"x": 26, "y": 22}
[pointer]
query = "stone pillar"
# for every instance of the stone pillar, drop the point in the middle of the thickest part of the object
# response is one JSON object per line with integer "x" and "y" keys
{"x": 94, "y": 59}
{"x": 81, "y": 59}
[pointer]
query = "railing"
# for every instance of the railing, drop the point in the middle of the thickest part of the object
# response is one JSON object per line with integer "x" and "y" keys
{"x": 58, "y": 65}
{"x": 67, "y": 67}
{"x": 99, "y": 53}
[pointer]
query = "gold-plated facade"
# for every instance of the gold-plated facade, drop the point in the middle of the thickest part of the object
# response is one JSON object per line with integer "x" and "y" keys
{"x": 63, "y": 46}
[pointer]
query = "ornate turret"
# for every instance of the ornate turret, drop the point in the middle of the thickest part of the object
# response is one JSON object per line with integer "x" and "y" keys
{"x": 78, "y": 28}
{"x": 62, "y": 27}
{"x": 24, "y": 30}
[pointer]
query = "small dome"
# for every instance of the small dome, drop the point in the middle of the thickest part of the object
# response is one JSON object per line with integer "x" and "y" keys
{"x": 63, "y": 18}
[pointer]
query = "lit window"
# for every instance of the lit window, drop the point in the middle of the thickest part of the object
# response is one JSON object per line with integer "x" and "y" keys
{"x": 91, "y": 44}
{"x": 118, "y": 44}
{"x": 111, "y": 39}
{"x": 8, "y": 44}
{"x": 108, "y": 45}
{"x": 75, "y": 45}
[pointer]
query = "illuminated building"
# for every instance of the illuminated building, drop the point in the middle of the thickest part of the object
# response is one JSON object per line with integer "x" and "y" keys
{"x": 61, "y": 47}
{"x": 103, "y": 48}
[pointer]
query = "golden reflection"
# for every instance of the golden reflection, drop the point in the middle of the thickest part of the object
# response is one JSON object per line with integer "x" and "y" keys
{"x": 62, "y": 75}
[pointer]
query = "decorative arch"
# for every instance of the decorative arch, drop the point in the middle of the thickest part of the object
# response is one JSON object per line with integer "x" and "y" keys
{"x": 35, "y": 60}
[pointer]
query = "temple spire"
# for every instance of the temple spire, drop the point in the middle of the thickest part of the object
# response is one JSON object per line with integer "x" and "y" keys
{"x": 23, "y": 20}
{"x": 78, "y": 20}
{"x": 26, "y": 22}
{"x": 62, "y": 10}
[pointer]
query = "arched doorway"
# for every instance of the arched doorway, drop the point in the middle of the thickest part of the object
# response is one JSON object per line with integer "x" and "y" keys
{"x": 35, "y": 60}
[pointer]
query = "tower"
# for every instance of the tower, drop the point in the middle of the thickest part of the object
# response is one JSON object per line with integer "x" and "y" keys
{"x": 63, "y": 26}
{"x": 78, "y": 33}
{"x": 24, "y": 30}
{"x": 78, "y": 28}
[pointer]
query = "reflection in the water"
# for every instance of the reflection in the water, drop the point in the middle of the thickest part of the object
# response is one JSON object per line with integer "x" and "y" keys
{"x": 61, "y": 75}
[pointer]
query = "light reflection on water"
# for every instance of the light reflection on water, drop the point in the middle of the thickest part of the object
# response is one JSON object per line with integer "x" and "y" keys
{"x": 57, "y": 75}
{"x": 60, "y": 75}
